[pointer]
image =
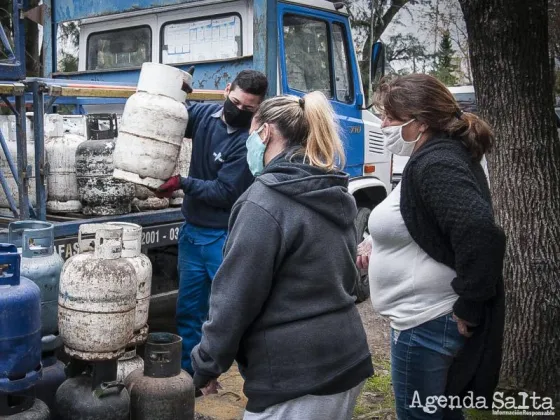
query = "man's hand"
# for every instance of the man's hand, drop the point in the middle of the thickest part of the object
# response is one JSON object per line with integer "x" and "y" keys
{"x": 211, "y": 388}
{"x": 463, "y": 326}
{"x": 167, "y": 189}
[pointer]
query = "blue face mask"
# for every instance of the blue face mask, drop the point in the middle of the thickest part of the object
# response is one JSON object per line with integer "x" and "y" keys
{"x": 255, "y": 152}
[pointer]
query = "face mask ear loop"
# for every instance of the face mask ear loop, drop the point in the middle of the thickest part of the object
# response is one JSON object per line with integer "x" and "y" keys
{"x": 258, "y": 131}
{"x": 417, "y": 137}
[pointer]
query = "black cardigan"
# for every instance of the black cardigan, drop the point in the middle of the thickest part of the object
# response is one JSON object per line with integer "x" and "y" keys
{"x": 447, "y": 208}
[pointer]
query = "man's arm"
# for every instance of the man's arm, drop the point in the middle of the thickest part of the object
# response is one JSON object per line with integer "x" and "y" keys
{"x": 233, "y": 179}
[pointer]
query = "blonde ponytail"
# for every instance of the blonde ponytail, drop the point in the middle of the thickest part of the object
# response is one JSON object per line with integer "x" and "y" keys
{"x": 323, "y": 146}
{"x": 308, "y": 123}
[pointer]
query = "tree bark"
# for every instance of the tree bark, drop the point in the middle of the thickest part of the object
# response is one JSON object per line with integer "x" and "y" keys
{"x": 508, "y": 42}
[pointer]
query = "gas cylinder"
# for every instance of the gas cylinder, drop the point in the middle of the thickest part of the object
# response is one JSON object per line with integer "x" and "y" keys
{"x": 40, "y": 264}
{"x": 154, "y": 121}
{"x": 22, "y": 408}
{"x": 60, "y": 148}
{"x": 131, "y": 252}
{"x": 97, "y": 297}
{"x": 53, "y": 377}
{"x": 162, "y": 390}
{"x": 183, "y": 166}
{"x": 5, "y": 168}
{"x": 100, "y": 193}
{"x": 144, "y": 199}
{"x": 93, "y": 394}
{"x": 128, "y": 363}
{"x": 20, "y": 325}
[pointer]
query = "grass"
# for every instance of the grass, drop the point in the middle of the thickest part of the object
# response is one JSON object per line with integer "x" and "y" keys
{"x": 376, "y": 399}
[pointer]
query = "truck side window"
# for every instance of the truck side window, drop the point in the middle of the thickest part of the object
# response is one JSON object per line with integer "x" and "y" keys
{"x": 120, "y": 48}
{"x": 201, "y": 39}
{"x": 306, "y": 45}
{"x": 343, "y": 77}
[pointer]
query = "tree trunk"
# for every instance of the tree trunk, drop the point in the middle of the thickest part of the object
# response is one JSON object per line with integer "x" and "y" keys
{"x": 512, "y": 76}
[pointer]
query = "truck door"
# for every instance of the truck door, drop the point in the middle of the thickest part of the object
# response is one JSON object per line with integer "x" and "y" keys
{"x": 316, "y": 53}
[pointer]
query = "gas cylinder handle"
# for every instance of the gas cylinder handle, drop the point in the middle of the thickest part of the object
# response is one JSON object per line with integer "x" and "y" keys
{"x": 107, "y": 388}
{"x": 10, "y": 262}
{"x": 131, "y": 238}
{"x": 38, "y": 242}
{"x": 17, "y": 229}
{"x": 160, "y": 356}
{"x": 86, "y": 244}
{"x": 108, "y": 242}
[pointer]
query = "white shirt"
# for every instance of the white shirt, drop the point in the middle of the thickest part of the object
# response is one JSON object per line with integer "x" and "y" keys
{"x": 407, "y": 285}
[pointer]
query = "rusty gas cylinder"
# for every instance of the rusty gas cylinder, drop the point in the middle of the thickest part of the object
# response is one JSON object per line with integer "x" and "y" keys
{"x": 100, "y": 193}
{"x": 97, "y": 296}
{"x": 161, "y": 391}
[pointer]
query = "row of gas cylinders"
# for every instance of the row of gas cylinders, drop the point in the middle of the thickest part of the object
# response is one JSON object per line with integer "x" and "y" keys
{"x": 101, "y": 299}
{"x": 80, "y": 172}
{"x": 115, "y": 170}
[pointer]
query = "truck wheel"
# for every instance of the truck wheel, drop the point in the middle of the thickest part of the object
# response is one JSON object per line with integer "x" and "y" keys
{"x": 361, "y": 288}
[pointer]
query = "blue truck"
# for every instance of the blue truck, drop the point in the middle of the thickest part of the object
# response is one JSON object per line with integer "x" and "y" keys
{"x": 301, "y": 45}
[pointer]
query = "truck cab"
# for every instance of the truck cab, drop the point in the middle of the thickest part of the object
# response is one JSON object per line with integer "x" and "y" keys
{"x": 302, "y": 46}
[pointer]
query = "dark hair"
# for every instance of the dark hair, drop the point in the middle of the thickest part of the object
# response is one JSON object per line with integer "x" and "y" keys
{"x": 427, "y": 100}
{"x": 251, "y": 81}
{"x": 308, "y": 123}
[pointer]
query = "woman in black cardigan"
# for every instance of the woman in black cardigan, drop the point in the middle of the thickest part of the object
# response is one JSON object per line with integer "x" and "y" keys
{"x": 435, "y": 254}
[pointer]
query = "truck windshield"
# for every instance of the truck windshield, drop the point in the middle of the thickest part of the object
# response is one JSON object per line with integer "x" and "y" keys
{"x": 121, "y": 48}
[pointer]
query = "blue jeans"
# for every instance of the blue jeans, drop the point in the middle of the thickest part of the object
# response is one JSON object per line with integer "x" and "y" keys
{"x": 420, "y": 359}
{"x": 200, "y": 256}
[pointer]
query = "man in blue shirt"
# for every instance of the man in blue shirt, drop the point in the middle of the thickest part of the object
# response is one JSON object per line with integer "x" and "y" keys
{"x": 218, "y": 175}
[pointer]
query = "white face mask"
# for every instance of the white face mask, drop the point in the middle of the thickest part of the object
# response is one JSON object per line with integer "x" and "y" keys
{"x": 394, "y": 141}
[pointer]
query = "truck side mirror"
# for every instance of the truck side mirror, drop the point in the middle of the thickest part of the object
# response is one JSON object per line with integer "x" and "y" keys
{"x": 377, "y": 62}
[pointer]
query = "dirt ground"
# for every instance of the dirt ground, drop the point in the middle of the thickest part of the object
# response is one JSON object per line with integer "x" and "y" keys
{"x": 230, "y": 402}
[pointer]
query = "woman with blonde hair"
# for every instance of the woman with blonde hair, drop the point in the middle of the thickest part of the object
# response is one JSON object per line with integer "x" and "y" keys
{"x": 435, "y": 254}
{"x": 281, "y": 303}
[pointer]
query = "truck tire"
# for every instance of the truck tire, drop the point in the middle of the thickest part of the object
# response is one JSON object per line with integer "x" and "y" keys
{"x": 361, "y": 287}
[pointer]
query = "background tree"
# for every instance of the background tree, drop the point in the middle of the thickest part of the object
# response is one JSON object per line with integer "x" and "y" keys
{"x": 369, "y": 19}
{"x": 439, "y": 17}
{"x": 508, "y": 41}
{"x": 444, "y": 65}
{"x": 68, "y": 42}
{"x": 406, "y": 48}
{"x": 554, "y": 41}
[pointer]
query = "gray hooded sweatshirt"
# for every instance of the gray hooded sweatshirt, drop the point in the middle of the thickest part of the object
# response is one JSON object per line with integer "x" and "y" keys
{"x": 281, "y": 302}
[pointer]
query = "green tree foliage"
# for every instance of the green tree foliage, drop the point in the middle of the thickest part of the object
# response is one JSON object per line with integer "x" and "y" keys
{"x": 68, "y": 39}
{"x": 444, "y": 63}
{"x": 407, "y": 48}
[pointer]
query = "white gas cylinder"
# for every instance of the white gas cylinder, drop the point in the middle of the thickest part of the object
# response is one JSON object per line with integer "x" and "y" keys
{"x": 153, "y": 126}
{"x": 60, "y": 147}
{"x": 97, "y": 296}
{"x": 132, "y": 244}
{"x": 183, "y": 166}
